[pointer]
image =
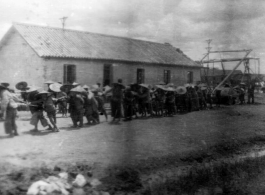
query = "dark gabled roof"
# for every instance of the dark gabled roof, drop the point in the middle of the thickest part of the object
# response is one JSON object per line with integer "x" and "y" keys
{"x": 59, "y": 43}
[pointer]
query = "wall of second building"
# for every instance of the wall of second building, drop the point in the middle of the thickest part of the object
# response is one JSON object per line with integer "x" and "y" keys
{"x": 90, "y": 72}
{"x": 18, "y": 62}
{"x": 154, "y": 74}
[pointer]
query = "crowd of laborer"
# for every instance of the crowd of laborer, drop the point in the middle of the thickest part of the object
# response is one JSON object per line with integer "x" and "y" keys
{"x": 128, "y": 102}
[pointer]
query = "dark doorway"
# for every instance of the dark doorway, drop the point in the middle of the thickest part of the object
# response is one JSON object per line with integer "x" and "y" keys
{"x": 167, "y": 76}
{"x": 140, "y": 75}
{"x": 189, "y": 77}
{"x": 69, "y": 73}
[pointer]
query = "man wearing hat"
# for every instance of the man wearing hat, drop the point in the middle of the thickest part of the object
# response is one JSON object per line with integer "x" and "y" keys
{"x": 49, "y": 108}
{"x": 170, "y": 103}
{"x": 76, "y": 107}
{"x": 62, "y": 102}
{"x": 241, "y": 94}
{"x": 91, "y": 108}
{"x": 251, "y": 89}
{"x": 218, "y": 96}
{"x": 209, "y": 96}
{"x": 36, "y": 109}
{"x": 194, "y": 99}
{"x": 188, "y": 99}
{"x": 100, "y": 100}
{"x": 145, "y": 100}
{"x": 5, "y": 96}
{"x": 128, "y": 103}
{"x": 116, "y": 100}
{"x": 202, "y": 102}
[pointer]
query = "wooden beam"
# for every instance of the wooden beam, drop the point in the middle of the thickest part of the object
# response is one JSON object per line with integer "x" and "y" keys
{"x": 226, "y": 51}
{"x": 226, "y": 60}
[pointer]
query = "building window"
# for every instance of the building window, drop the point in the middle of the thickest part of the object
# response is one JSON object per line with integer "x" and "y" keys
{"x": 107, "y": 74}
{"x": 166, "y": 76}
{"x": 140, "y": 75}
{"x": 69, "y": 73}
{"x": 189, "y": 77}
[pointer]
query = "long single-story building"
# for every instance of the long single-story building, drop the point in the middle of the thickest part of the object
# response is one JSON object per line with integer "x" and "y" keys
{"x": 35, "y": 54}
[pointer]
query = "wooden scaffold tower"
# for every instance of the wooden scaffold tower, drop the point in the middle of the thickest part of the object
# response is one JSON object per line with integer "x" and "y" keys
{"x": 245, "y": 60}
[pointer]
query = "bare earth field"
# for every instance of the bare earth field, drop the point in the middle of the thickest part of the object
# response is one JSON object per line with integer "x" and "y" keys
{"x": 133, "y": 142}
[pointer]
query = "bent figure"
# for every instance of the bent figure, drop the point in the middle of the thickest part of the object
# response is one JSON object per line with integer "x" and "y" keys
{"x": 5, "y": 96}
{"x": 11, "y": 114}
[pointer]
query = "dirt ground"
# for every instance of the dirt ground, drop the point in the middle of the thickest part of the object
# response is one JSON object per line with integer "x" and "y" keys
{"x": 109, "y": 144}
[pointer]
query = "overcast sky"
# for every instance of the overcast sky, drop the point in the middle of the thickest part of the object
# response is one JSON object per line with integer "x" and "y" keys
{"x": 186, "y": 24}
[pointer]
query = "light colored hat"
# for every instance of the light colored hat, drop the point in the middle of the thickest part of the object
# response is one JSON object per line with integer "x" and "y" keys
{"x": 32, "y": 88}
{"x": 144, "y": 85}
{"x": 43, "y": 92}
{"x": 49, "y": 82}
{"x": 107, "y": 88}
{"x": 187, "y": 85}
{"x": 170, "y": 89}
{"x": 78, "y": 89}
{"x": 192, "y": 85}
{"x": 95, "y": 86}
{"x": 75, "y": 84}
{"x": 55, "y": 87}
{"x": 170, "y": 84}
{"x": 86, "y": 87}
{"x": 160, "y": 87}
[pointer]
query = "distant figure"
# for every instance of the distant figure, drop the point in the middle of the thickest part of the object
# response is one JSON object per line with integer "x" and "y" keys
{"x": 49, "y": 108}
{"x": 128, "y": 103}
{"x": 241, "y": 96}
{"x": 99, "y": 87}
{"x": 91, "y": 108}
{"x": 36, "y": 108}
{"x": 251, "y": 89}
{"x": 101, "y": 101}
{"x": 11, "y": 114}
{"x": 76, "y": 108}
{"x": 62, "y": 103}
{"x": 144, "y": 101}
{"x": 116, "y": 100}
{"x": 5, "y": 96}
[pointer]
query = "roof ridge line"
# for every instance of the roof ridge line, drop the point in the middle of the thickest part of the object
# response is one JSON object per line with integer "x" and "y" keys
{"x": 87, "y": 32}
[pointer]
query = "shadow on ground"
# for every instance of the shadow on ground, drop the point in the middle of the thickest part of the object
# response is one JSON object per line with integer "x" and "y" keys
{"x": 5, "y": 137}
{"x": 38, "y": 133}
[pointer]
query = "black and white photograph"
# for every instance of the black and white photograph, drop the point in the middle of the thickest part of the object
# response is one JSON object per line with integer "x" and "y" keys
{"x": 139, "y": 97}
